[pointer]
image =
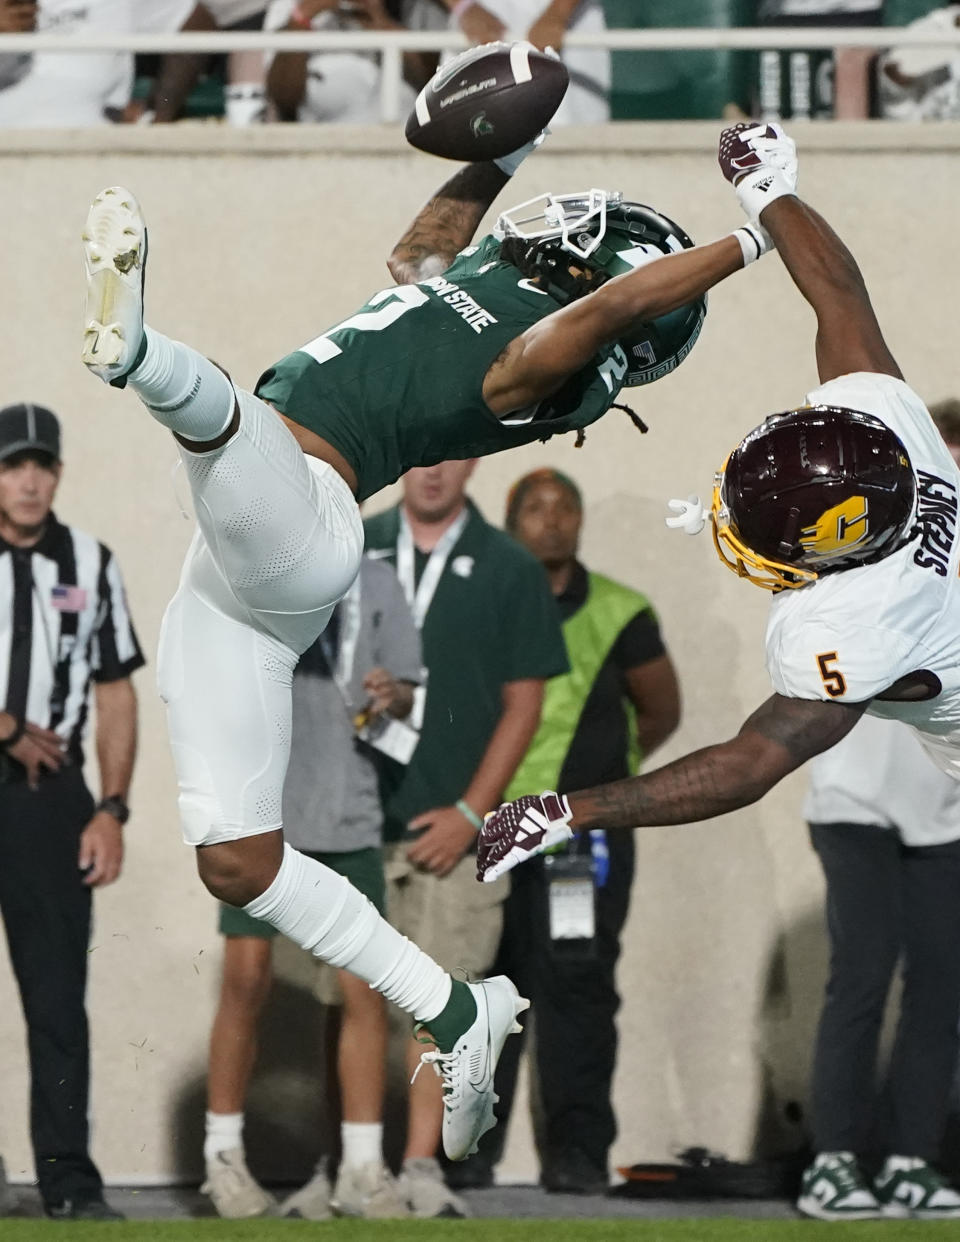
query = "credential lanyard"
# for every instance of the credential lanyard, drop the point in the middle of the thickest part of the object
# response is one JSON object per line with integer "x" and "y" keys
{"x": 420, "y": 597}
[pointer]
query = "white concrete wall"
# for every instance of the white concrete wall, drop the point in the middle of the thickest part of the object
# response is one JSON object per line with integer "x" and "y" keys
{"x": 258, "y": 241}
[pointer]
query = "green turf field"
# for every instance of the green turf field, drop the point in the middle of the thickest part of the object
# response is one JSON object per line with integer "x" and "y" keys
{"x": 708, "y": 1230}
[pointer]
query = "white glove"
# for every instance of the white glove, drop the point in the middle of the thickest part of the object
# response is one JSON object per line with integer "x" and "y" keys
{"x": 519, "y": 830}
{"x": 509, "y": 164}
{"x": 691, "y": 515}
{"x": 761, "y": 162}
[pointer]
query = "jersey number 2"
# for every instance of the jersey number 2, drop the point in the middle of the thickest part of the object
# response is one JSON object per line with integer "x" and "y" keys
{"x": 395, "y": 302}
{"x": 833, "y": 680}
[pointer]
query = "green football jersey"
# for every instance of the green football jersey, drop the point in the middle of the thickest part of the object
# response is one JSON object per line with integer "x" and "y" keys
{"x": 399, "y": 384}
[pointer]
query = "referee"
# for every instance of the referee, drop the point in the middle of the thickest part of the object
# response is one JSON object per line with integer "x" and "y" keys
{"x": 64, "y": 624}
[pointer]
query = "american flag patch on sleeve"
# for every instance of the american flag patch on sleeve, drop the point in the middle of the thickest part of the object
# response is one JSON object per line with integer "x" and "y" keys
{"x": 68, "y": 598}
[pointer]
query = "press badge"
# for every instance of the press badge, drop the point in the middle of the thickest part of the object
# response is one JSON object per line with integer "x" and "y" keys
{"x": 571, "y": 902}
{"x": 394, "y": 738}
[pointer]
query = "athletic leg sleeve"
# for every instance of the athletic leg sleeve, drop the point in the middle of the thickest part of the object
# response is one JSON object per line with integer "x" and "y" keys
{"x": 280, "y": 541}
{"x": 227, "y": 688}
{"x": 322, "y": 912}
{"x": 283, "y": 529}
{"x": 182, "y": 389}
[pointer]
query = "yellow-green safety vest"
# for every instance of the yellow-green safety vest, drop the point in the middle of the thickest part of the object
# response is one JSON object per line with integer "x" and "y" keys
{"x": 589, "y": 634}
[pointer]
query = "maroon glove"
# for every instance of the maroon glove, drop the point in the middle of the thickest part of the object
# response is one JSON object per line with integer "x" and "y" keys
{"x": 761, "y": 161}
{"x": 519, "y": 830}
{"x": 736, "y": 153}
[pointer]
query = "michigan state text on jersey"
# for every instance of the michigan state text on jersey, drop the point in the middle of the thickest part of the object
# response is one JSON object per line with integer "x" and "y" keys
{"x": 399, "y": 383}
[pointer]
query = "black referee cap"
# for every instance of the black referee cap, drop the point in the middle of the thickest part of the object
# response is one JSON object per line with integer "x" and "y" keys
{"x": 27, "y": 426}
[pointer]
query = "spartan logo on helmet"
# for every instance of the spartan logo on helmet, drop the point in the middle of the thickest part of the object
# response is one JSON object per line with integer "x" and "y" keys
{"x": 812, "y": 491}
{"x": 572, "y": 243}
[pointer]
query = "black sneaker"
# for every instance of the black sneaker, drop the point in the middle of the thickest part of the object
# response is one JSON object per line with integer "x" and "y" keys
{"x": 82, "y": 1209}
{"x": 573, "y": 1173}
{"x": 474, "y": 1173}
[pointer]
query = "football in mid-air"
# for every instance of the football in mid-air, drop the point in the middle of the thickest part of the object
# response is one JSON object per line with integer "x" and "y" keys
{"x": 487, "y": 102}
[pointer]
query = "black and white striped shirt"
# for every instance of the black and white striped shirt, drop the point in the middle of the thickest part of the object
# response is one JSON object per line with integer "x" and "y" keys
{"x": 64, "y": 622}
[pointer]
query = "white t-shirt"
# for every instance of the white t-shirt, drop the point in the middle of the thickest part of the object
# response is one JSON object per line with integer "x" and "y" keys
{"x": 935, "y": 93}
{"x": 586, "y": 101}
{"x": 67, "y": 89}
{"x": 877, "y": 623}
{"x": 162, "y": 16}
{"x": 345, "y": 86}
{"x": 880, "y": 774}
{"x": 229, "y": 12}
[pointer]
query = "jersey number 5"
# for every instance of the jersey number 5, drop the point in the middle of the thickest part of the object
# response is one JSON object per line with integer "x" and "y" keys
{"x": 833, "y": 680}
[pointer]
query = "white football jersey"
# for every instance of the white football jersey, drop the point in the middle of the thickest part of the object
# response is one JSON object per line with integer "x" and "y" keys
{"x": 850, "y": 635}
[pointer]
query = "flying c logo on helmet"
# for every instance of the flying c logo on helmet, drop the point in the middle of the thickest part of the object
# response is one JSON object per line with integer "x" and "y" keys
{"x": 843, "y": 527}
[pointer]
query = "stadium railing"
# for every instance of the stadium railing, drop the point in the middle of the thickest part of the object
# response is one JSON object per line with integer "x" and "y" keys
{"x": 390, "y": 45}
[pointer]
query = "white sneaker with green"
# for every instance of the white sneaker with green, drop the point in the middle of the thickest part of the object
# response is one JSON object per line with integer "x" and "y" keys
{"x": 908, "y": 1186}
{"x": 833, "y": 1188}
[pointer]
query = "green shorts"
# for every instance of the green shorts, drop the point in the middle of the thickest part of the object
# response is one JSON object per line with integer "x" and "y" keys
{"x": 363, "y": 868}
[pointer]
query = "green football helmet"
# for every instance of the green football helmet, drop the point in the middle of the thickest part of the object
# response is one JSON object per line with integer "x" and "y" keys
{"x": 603, "y": 236}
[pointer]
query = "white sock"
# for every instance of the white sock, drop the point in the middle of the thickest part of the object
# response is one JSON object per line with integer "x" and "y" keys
{"x": 245, "y": 103}
{"x": 224, "y": 1133}
{"x": 182, "y": 389}
{"x": 321, "y": 911}
{"x": 362, "y": 1142}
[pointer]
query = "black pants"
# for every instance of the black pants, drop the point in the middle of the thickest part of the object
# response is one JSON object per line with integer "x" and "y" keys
{"x": 46, "y": 912}
{"x": 574, "y": 1003}
{"x": 887, "y": 901}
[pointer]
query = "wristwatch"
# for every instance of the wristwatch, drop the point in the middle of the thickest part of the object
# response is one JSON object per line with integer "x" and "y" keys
{"x": 115, "y": 806}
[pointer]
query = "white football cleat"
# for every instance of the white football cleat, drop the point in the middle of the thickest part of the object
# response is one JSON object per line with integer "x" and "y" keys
{"x": 114, "y": 260}
{"x": 467, "y": 1070}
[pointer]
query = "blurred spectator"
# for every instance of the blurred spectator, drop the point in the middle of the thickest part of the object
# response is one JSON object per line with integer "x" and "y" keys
{"x": 923, "y": 83}
{"x": 65, "y": 88}
{"x": 64, "y": 629}
{"x": 618, "y": 703}
{"x": 686, "y": 83}
{"x": 946, "y": 414}
{"x": 349, "y": 691}
{"x": 885, "y": 823}
{"x": 490, "y": 639}
{"x": 345, "y": 86}
{"x": 816, "y": 84}
{"x": 16, "y": 17}
{"x": 177, "y": 74}
{"x": 546, "y": 25}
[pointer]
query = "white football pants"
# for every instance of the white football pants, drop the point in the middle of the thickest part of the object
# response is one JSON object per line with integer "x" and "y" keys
{"x": 278, "y": 544}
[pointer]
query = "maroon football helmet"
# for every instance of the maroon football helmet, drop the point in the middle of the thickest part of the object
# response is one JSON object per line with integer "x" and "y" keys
{"x": 811, "y": 491}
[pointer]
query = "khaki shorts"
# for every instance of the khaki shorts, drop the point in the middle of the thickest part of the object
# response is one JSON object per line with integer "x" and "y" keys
{"x": 364, "y": 870}
{"x": 455, "y": 919}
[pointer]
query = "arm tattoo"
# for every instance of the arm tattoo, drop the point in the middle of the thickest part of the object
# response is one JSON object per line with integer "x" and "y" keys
{"x": 778, "y": 737}
{"x": 803, "y": 727}
{"x": 446, "y": 223}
